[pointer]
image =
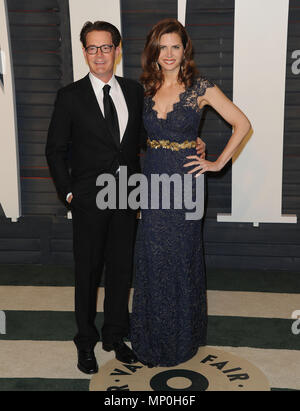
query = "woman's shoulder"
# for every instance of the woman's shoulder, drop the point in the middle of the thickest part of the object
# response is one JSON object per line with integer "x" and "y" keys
{"x": 148, "y": 103}
{"x": 202, "y": 83}
{"x": 198, "y": 89}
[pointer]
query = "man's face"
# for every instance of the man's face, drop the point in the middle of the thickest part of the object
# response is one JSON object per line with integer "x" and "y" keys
{"x": 101, "y": 64}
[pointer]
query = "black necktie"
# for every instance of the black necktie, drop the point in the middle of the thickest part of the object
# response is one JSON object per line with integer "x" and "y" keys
{"x": 110, "y": 114}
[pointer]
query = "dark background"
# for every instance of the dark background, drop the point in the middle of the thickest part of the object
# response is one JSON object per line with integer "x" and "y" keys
{"x": 41, "y": 47}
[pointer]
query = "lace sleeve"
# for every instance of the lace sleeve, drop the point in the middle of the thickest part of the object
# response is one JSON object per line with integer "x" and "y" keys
{"x": 198, "y": 89}
{"x": 203, "y": 83}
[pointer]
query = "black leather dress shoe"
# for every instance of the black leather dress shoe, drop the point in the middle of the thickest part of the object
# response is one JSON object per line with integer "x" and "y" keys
{"x": 87, "y": 362}
{"x": 123, "y": 352}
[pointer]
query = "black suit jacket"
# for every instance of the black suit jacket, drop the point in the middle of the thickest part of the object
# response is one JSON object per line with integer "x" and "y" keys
{"x": 78, "y": 124}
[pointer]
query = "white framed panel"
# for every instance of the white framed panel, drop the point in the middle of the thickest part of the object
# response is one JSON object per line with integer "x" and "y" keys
{"x": 9, "y": 153}
{"x": 181, "y": 11}
{"x": 260, "y": 50}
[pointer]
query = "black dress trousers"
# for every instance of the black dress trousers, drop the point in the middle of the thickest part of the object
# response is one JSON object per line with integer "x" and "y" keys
{"x": 102, "y": 238}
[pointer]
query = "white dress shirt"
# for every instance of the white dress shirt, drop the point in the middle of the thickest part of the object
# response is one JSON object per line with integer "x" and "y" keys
{"x": 118, "y": 99}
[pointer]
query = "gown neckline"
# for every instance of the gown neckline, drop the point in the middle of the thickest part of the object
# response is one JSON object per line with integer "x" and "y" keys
{"x": 180, "y": 96}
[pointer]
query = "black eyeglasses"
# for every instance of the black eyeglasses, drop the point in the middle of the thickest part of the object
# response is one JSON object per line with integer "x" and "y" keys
{"x": 105, "y": 48}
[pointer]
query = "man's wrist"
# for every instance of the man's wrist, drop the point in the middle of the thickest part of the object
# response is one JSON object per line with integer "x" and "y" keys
{"x": 68, "y": 197}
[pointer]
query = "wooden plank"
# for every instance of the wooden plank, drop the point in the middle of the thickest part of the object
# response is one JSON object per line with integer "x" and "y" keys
{"x": 62, "y": 245}
{"x": 31, "y": 198}
{"x": 292, "y": 190}
{"x": 62, "y": 257}
{"x": 38, "y": 186}
{"x": 292, "y": 202}
{"x": 34, "y": 111}
{"x": 47, "y": 17}
{"x": 294, "y": 27}
{"x": 35, "y": 149}
{"x": 293, "y": 84}
{"x": 257, "y": 263}
{"x": 35, "y": 45}
{"x": 242, "y": 232}
{"x": 34, "y": 173}
{"x": 210, "y": 31}
{"x": 292, "y": 150}
{"x": 292, "y": 112}
{"x": 20, "y": 257}
{"x": 291, "y": 163}
{"x": 219, "y": 201}
{"x": 32, "y": 136}
{"x": 41, "y": 58}
{"x": 38, "y": 85}
{"x": 250, "y": 249}
{"x": 26, "y": 227}
{"x": 62, "y": 230}
{"x": 32, "y": 4}
{"x": 292, "y": 124}
{"x": 20, "y": 244}
{"x": 212, "y": 45}
{"x": 294, "y": 12}
{"x": 156, "y": 6}
{"x": 35, "y": 98}
{"x": 291, "y": 176}
{"x": 214, "y": 126}
{"x": 38, "y": 124}
{"x": 31, "y": 32}
{"x": 38, "y": 209}
{"x": 205, "y": 17}
{"x": 294, "y": 4}
{"x": 33, "y": 161}
{"x": 293, "y": 44}
{"x": 291, "y": 138}
{"x": 215, "y": 5}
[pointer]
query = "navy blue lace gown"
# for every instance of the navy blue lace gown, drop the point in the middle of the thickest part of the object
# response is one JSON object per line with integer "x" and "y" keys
{"x": 169, "y": 313}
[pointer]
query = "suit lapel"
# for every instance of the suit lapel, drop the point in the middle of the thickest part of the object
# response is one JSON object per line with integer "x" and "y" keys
{"x": 94, "y": 113}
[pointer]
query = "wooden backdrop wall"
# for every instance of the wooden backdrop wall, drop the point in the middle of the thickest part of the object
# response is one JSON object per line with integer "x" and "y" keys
{"x": 40, "y": 34}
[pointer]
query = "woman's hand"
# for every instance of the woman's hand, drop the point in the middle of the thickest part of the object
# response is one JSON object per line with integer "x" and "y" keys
{"x": 200, "y": 147}
{"x": 202, "y": 164}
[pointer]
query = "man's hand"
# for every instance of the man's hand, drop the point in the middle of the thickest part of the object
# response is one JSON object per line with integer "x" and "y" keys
{"x": 200, "y": 147}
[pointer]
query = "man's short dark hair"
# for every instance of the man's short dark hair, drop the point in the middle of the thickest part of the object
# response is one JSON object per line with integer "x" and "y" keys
{"x": 100, "y": 26}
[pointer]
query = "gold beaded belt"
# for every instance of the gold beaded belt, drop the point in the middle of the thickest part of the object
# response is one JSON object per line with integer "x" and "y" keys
{"x": 171, "y": 145}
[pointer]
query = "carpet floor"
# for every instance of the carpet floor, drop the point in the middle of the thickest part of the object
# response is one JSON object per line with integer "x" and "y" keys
{"x": 250, "y": 315}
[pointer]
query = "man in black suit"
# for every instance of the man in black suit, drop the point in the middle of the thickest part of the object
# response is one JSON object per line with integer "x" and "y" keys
{"x": 100, "y": 118}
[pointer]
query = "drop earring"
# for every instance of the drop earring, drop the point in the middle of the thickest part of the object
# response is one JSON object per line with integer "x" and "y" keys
{"x": 182, "y": 63}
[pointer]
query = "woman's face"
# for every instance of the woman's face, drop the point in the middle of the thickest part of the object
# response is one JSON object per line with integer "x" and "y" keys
{"x": 171, "y": 52}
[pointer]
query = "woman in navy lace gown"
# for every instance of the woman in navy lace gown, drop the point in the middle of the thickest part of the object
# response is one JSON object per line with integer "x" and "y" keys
{"x": 169, "y": 314}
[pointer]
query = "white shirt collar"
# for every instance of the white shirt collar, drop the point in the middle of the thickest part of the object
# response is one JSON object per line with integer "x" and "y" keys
{"x": 99, "y": 84}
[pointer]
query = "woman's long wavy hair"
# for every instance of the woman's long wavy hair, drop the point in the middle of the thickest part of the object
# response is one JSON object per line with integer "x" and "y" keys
{"x": 152, "y": 76}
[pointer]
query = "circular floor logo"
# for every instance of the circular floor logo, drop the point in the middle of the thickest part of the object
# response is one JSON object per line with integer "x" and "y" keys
{"x": 209, "y": 370}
